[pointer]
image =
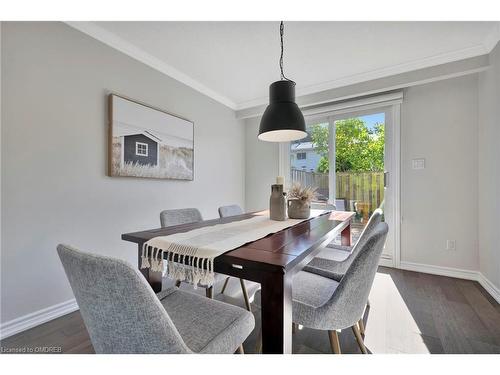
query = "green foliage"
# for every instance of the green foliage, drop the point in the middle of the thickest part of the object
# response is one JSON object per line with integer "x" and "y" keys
{"x": 358, "y": 148}
{"x": 323, "y": 165}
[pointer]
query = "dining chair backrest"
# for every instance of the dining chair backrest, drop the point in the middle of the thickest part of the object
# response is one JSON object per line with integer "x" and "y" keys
{"x": 340, "y": 204}
{"x": 372, "y": 223}
{"x": 231, "y": 210}
{"x": 120, "y": 310}
{"x": 375, "y": 219}
{"x": 179, "y": 216}
{"x": 323, "y": 206}
{"x": 349, "y": 299}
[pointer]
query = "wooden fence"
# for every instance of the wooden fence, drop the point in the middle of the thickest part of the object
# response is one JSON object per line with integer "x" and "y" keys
{"x": 364, "y": 188}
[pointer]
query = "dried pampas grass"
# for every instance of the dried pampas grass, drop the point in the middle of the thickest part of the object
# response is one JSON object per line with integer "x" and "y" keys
{"x": 306, "y": 194}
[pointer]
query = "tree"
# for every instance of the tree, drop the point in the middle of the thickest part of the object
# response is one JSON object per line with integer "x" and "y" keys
{"x": 358, "y": 148}
{"x": 323, "y": 165}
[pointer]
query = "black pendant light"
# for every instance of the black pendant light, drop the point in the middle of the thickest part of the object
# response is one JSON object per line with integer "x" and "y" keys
{"x": 282, "y": 120}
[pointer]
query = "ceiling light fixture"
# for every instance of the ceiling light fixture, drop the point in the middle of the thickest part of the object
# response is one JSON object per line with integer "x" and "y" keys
{"x": 282, "y": 120}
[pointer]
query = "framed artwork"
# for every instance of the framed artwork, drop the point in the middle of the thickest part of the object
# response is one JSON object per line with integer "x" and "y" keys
{"x": 148, "y": 142}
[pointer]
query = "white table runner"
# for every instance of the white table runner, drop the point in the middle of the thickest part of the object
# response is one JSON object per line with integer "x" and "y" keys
{"x": 194, "y": 251}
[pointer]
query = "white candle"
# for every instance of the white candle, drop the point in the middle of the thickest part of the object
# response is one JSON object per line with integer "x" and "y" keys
{"x": 280, "y": 180}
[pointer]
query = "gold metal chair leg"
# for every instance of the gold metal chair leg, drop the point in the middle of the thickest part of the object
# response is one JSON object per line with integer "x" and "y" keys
{"x": 240, "y": 350}
{"x": 359, "y": 339}
{"x": 245, "y": 294}
{"x": 177, "y": 283}
{"x": 224, "y": 286}
{"x": 209, "y": 292}
{"x": 334, "y": 341}
{"x": 361, "y": 325}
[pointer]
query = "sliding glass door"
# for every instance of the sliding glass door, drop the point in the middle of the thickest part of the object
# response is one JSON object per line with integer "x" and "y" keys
{"x": 348, "y": 157}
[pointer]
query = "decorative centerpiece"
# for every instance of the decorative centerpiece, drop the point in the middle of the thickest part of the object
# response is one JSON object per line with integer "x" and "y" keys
{"x": 299, "y": 201}
{"x": 277, "y": 202}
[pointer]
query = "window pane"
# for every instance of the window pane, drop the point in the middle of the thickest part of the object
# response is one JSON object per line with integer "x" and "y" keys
{"x": 359, "y": 165}
{"x": 309, "y": 160}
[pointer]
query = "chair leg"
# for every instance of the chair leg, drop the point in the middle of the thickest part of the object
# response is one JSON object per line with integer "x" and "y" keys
{"x": 245, "y": 295}
{"x": 359, "y": 339}
{"x": 177, "y": 283}
{"x": 224, "y": 286}
{"x": 209, "y": 292}
{"x": 240, "y": 350}
{"x": 258, "y": 343}
{"x": 334, "y": 341}
{"x": 361, "y": 325}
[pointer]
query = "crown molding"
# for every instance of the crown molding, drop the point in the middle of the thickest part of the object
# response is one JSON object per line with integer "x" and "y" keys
{"x": 465, "y": 53}
{"x": 112, "y": 40}
{"x": 136, "y": 53}
{"x": 492, "y": 38}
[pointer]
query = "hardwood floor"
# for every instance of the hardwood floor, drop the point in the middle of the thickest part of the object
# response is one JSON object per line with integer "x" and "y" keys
{"x": 409, "y": 312}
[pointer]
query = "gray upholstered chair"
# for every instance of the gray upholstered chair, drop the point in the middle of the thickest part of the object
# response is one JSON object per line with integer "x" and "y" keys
{"x": 180, "y": 216}
{"x": 231, "y": 210}
{"x": 350, "y": 248}
{"x": 332, "y": 263}
{"x": 323, "y": 206}
{"x": 123, "y": 315}
{"x": 227, "y": 211}
{"x": 193, "y": 215}
{"x": 325, "y": 304}
{"x": 341, "y": 204}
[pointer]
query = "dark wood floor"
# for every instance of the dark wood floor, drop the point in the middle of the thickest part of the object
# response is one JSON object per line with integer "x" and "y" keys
{"x": 409, "y": 312}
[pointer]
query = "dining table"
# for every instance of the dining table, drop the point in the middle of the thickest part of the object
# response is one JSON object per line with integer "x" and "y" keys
{"x": 270, "y": 261}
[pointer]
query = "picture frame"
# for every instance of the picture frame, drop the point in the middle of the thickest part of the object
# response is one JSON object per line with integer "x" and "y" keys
{"x": 148, "y": 142}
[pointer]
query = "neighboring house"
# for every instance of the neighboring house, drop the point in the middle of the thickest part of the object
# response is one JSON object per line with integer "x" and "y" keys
{"x": 304, "y": 156}
{"x": 141, "y": 148}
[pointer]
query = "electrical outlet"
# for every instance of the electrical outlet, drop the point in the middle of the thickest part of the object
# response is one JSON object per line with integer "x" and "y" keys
{"x": 451, "y": 245}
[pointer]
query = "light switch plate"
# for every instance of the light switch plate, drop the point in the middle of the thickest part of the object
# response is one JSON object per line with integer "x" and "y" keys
{"x": 451, "y": 245}
{"x": 418, "y": 163}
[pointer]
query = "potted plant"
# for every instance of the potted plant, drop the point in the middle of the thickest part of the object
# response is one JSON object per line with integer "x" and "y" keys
{"x": 299, "y": 201}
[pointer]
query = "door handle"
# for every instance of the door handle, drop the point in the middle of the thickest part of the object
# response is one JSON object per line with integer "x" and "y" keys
{"x": 386, "y": 179}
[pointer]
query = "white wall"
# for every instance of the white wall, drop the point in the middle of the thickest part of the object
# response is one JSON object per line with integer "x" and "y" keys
{"x": 54, "y": 184}
{"x": 261, "y": 167}
{"x": 438, "y": 123}
{"x": 489, "y": 170}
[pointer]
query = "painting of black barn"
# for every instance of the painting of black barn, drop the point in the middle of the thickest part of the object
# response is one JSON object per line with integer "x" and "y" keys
{"x": 148, "y": 142}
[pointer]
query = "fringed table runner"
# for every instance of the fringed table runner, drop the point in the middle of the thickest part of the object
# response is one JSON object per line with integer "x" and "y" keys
{"x": 189, "y": 256}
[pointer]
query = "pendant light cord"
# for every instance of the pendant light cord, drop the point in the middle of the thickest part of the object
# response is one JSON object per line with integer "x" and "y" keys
{"x": 282, "y": 31}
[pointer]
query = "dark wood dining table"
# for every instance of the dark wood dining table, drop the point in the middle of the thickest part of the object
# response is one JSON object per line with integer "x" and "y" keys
{"x": 271, "y": 261}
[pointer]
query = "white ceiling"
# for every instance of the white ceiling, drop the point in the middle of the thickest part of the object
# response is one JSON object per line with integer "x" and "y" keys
{"x": 234, "y": 62}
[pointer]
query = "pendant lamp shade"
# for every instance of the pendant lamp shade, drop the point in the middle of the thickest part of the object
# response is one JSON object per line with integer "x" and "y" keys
{"x": 282, "y": 120}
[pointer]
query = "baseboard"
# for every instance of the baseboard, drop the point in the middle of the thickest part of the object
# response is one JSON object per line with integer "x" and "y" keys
{"x": 455, "y": 272}
{"x": 439, "y": 270}
{"x": 386, "y": 262}
{"x": 489, "y": 286}
{"x": 36, "y": 318}
{"x": 28, "y": 321}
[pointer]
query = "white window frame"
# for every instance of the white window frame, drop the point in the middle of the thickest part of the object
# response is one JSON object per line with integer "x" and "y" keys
{"x": 137, "y": 153}
{"x": 391, "y": 105}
